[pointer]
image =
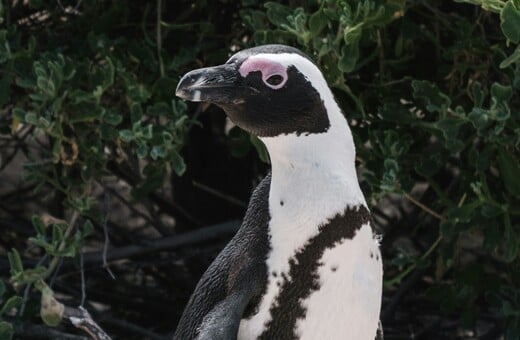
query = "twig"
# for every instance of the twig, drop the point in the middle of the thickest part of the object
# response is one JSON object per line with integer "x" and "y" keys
{"x": 381, "y": 56}
{"x": 31, "y": 331}
{"x": 81, "y": 318}
{"x": 220, "y": 194}
{"x": 105, "y": 232}
{"x": 134, "y": 328}
{"x": 56, "y": 271}
{"x": 425, "y": 208}
{"x": 27, "y": 289}
{"x": 82, "y": 273}
{"x": 388, "y": 311}
{"x": 403, "y": 274}
{"x": 56, "y": 260}
{"x": 166, "y": 243}
{"x": 159, "y": 38}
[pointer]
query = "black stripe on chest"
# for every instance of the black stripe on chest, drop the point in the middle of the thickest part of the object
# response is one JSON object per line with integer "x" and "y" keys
{"x": 303, "y": 273}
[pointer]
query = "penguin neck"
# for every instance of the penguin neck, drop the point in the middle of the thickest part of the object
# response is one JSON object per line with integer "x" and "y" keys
{"x": 323, "y": 162}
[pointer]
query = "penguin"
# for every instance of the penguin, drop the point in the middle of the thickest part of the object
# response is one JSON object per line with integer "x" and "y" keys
{"x": 305, "y": 263}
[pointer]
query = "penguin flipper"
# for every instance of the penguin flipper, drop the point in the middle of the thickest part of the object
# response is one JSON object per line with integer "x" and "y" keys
{"x": 223, "y": 321}
{"x": 235, "y": 278}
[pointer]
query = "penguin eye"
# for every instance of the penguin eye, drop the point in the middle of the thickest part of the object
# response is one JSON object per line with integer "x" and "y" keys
{"x": 275, "y": 81}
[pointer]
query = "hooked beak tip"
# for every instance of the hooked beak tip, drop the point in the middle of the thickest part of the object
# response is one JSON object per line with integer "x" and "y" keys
{"x": 187, "y": 88}
{"x": 210, "y": 84}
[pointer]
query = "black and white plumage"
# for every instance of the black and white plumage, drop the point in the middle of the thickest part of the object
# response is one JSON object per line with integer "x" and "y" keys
{"x": 305, "y": 263}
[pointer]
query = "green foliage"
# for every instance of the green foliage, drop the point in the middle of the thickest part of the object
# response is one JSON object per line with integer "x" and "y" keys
{"x": 432, "y": 92}
{"x": 7, "y": 305}
{"x": 85, "y": 106}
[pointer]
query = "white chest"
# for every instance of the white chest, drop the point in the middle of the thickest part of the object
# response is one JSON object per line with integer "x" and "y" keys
{"x": 348, "y": 301}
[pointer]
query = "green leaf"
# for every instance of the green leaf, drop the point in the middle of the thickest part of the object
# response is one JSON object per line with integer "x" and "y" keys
{"x": 510, "y": 22}
{"x": 501, "y": 93}
{"x": 42, "y": 242}
{"x": 38, "y": 225}
{"x": 147, "y": 131}
{"x": 154, "y": 178}
{"x": 113, "y": 118}
{"x": 513, "y": 58}
{"x": 142, "y": 150}
{"x": 159, "y": 109}
{"x": 158, "y": 151}
{"x": 435, "y": 100}
{"x": 277, "y": 13}
{"x": 57, "y": 233}
{"x": 51, "y": 311}
{"x": 450, "y": 131}
{"x": 19, "y": 114}
{"x": 511, "y": 240}
{"x": 509, "y": 170}
{"x": 47, "y": 86}
{"x": 11, "y": 303}
{"x": 126, "y": 135}
{"x": 491, "y": 210}
{"x": 317, "y": 22}
{"x": 260, "y": 149}
{"x": 87, "y": 112}
{"x": 478, "y": 94}
{"x": 352, "y": 35}
{"x": 179, "y": 108}
{"x": 178, "y": 163}
{"x": 479, "y": 118}
{"x": 31, "y": 118}
{"x": 88, "y": 228}
{"x": 138, "y": 93}
{"x": 136, "y": 112}
{"x": 15, "y": 262}
{"x": 463, "y": 214}
{"x": 349, "y": 57}
{"x": 6, "y": 330}
{"x": 389, "y": 180}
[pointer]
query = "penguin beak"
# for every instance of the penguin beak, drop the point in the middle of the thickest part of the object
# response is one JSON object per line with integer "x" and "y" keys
{"x": 216, "y": 84}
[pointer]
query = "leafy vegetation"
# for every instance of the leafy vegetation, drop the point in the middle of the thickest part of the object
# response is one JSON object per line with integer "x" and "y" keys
{"x": 431, "y": 90}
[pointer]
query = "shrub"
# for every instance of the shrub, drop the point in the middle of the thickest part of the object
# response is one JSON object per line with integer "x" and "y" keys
{"x": 431, "y": 90}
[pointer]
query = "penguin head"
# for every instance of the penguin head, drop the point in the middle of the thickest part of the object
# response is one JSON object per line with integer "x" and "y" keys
{"x": 268, "y": 90}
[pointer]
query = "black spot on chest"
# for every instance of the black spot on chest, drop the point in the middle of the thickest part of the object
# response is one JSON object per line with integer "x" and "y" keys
{"x": 303, "y": 271}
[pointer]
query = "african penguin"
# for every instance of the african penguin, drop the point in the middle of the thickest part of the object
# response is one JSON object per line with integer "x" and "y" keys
{"x": 305, "y": 263}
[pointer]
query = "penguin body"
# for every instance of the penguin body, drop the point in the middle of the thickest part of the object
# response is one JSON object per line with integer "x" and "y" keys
{"x": 305, "y": 263}
{"x": 234, "y": 279}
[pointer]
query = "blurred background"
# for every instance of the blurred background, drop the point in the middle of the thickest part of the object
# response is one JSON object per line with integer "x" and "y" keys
{"x": 116, "y": 196}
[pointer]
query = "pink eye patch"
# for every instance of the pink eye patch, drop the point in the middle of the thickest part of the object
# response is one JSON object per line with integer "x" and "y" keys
{"x": 267, "y": 67}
